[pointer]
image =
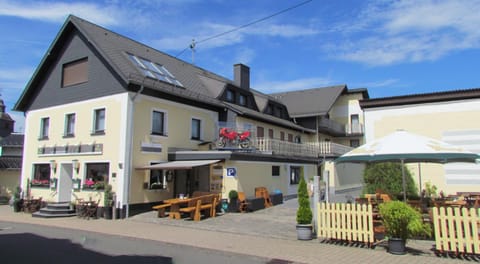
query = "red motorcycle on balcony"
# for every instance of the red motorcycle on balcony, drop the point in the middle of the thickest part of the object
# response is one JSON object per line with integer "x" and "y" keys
{"x": 233, "y": 138}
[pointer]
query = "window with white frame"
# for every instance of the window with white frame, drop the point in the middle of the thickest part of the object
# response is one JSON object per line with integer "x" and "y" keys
{"x": 96, "y": 175}
{"x": 157, "y": 179}
{"x": 69, "y": 125}
{"x": 196, "y": 128}
{"x": 99, "y": 121}
{"x": 44, "y": 127}
{"x": 41, "y": 175}
{"x": 159, "y": 123}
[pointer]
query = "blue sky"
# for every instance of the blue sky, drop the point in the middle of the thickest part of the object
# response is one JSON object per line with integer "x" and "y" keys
{"x": 390, "y": 47}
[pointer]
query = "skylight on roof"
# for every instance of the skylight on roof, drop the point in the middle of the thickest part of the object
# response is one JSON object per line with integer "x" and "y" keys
{"x": 154, "y": 70}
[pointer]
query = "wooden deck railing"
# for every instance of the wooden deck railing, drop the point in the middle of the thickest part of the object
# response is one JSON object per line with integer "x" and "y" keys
{"x": 457, "y": 230}
{"x": 346, "y": 222}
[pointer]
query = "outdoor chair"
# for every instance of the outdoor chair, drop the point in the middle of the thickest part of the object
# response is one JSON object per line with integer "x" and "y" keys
{"x": 242, "y": 202}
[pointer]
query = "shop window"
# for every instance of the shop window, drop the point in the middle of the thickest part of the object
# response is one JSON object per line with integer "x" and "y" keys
{"x": 96, "y": 175}
{"x": 157, "y": 179}
{"x": 41, "y": 175}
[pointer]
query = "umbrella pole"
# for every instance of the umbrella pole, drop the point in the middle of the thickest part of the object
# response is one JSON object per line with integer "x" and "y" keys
{"x": 404, "y": 183}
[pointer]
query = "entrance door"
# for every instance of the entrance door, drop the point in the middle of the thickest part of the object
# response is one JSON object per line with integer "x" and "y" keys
{"x": 65, "y": 184}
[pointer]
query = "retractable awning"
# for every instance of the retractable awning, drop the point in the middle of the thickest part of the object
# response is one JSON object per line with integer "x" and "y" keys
{"x": 178, "y": 165}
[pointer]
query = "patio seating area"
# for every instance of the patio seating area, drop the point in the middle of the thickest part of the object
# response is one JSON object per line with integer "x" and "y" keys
{"x": 86, "y": 209}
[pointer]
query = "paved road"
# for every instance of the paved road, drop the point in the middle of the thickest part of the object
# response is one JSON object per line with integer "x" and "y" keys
{"x": 269, "y": 234}
{"x": 27, "y": 243}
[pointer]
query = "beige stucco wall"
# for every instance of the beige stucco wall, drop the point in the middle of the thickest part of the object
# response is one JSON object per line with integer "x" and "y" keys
{"x": 252, "y": 174}
{"x": 113, "y": 142}
{"x": 179, "y": 118}
{"x": 439, "y": 121}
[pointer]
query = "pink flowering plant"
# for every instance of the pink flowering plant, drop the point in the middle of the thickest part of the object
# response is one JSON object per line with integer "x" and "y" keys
{"x": 39, "y": 182}
{"x": 91, "y": 184}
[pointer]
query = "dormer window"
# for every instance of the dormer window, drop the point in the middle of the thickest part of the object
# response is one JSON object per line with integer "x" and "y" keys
{"x": 242, "y": 100}
{"x": 154, "y": 70}
{"x": 230, "y": 96}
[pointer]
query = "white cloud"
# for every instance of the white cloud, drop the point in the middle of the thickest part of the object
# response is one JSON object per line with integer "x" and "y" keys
{"x": 377, "y": 84}
{"x": 299, "y": 84}
{"x": 411, "y": 31}
{"x": 245, "y": 55}
{"x": 212, "y": 35}
{"x": 58, "y": 11}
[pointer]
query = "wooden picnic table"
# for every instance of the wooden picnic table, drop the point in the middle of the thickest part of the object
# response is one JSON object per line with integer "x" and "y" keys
{"x": 175, "y": 204}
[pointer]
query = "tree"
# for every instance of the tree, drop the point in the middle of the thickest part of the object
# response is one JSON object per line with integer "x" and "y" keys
{"x": 304, "y": 212}
{"x": 387, "y": 176}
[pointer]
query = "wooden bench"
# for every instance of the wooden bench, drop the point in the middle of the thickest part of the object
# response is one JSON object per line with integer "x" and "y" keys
{"x": 200, "y": 193}
{"x": 193, "y": 208}
{"x": 161, "y": 209}
{"x": 209, "y": 204}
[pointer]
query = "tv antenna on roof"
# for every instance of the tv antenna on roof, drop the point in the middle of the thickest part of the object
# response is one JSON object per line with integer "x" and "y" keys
{"x": 192, "y": 47}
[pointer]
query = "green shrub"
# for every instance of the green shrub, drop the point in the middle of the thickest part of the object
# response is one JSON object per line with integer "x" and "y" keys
{"x": 108, "y": 196}
{"x": 402, "y": 221}
{"x": 387, "y": 176}
{"x": 304, "y": 212}
{"x": 233, "y": 195}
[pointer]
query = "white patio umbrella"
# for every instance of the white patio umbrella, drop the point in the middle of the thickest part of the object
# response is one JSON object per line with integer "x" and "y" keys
{"x": 407, "y": 147}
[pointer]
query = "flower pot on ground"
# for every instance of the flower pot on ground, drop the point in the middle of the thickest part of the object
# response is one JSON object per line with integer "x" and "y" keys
{"x": 233, "y": 201}
{"x": 304, "y": 212}
{"x": 402, "y": 222}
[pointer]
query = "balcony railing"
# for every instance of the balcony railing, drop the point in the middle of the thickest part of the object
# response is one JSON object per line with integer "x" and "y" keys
{"x": 331, "y": 126}
{"x": 354, "y": 129}
{"x": 311, "y": 149}
{"x": 338, "y": 129}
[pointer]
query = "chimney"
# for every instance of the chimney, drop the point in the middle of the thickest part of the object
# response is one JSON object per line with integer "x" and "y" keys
{"x": 241, "y": 76}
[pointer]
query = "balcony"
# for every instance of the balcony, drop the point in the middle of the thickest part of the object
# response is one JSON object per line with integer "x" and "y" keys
{"x": 311, "y": 149}
{"x": 334, "y": 128}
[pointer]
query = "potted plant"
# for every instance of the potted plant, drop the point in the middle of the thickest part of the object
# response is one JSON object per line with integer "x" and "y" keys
{"x": 233, "y": 201}
{"x": 17, "y": 201}
{"x": 401, "y": 222}
{"x": 107, "y": 201}
{"x": 304, "y": 212}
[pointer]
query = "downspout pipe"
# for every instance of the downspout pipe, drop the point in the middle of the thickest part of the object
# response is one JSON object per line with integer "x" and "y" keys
{"x": 129, "y": 182}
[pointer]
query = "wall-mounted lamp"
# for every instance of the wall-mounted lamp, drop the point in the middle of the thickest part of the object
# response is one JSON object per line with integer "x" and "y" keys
{"x": 53, "y": 166}
{"x": 76, "y": 165}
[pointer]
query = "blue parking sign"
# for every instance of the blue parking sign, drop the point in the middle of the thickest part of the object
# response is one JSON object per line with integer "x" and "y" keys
{"x": 231, "y": 172}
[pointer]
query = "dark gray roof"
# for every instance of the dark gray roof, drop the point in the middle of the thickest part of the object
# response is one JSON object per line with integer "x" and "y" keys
{"x": 12, "y": 140}
{"x": 267, "y": 118}
{"x": 310, "y": 102}
{"x": 454, "y": 95}
{"x": 199, "y": 84}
